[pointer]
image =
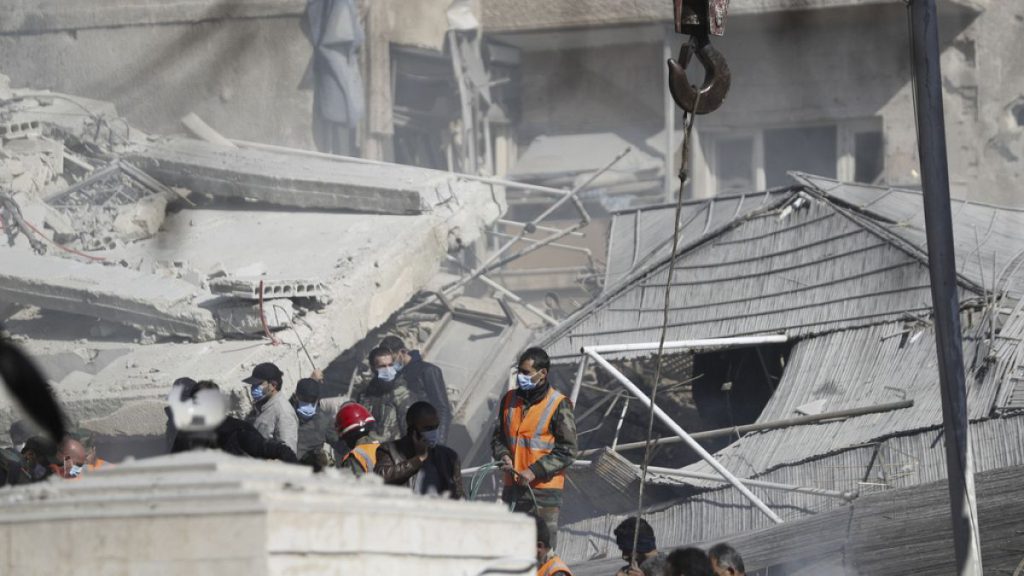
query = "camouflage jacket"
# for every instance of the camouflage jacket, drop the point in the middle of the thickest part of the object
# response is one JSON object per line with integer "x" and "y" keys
{"x": 563, "y": 428}
{"x": 388, "y": 403}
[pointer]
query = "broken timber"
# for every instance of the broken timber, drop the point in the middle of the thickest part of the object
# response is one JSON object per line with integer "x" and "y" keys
{"x": 162, "y": 306}
{"x": 307, "y": 183}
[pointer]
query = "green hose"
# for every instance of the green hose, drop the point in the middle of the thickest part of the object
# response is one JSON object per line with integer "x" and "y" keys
{"x": 476, "y": 482}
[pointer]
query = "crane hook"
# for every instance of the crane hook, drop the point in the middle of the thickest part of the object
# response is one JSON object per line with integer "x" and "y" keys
{"x": 717, "y": 78}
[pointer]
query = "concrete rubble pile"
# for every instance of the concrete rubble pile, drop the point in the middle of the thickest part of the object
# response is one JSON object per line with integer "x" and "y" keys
{"x": 133, "y": 259}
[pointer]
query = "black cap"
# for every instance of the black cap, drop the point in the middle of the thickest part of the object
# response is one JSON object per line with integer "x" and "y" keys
{"x": 266, "y": 371}
{"x": 308, "y": 388}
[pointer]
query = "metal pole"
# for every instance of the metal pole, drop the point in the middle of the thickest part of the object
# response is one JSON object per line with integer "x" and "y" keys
{"x": 774, "y": 425}
{"x": 670, "y": 117}
{"x": 579, "y": 379}
{"x": 690, "y": 344}
{"x": 945, "y": 298}
{"x": 676, "y": 473}
{"x": 686, "y": 437}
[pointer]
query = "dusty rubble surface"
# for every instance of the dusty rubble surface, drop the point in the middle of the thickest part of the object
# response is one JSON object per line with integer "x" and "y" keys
{"x": 132, "y": 260}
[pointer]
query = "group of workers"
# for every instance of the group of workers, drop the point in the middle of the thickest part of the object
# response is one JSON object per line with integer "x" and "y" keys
{"x": 395, "y": 426}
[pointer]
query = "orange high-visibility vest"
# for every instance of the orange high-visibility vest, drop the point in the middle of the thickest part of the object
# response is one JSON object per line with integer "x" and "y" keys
{"x": 529, "y": 434}
{"x": 552, "y": 567}
{"x": 365, "y": 455}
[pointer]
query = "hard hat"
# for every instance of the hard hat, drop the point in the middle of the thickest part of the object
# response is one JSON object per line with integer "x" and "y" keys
{"x": 352, "y": 416}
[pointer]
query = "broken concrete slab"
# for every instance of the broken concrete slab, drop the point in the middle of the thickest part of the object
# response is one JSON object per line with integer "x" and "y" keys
{"x": 248, "y": 287}
{"x": 281, "y": 180}
{"x": 244, "y": 319}
{"x": 161, "y": 306}
{"x": 140, "y": 220}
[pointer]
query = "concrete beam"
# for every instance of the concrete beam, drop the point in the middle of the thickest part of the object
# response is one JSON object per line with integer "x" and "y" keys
{"x": 282, "y": 180}
{"x": 163, "y": 306}
{"x": 35, "y": 16}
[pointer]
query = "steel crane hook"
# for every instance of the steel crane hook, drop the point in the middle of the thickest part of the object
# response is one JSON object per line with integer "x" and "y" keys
{"x": 717, "y": 78}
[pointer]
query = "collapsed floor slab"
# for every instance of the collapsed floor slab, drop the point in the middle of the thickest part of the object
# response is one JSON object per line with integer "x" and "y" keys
{"x": 282, "y": 180}
{"x": 163, "y": 306}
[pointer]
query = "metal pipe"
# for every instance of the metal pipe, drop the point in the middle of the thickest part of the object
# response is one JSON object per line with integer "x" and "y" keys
{"x": 686, "y": 437}
{"x": 689, "y": 344}
{"x": 579, "y": 249}
{"x": 677, "y": 473}
{"x": 356, "y": 160}
{"x": 515, "y": 298}
{"x": 492, "y": 260}
{"x": 579, "y": 379}
{"x": 670, "y": 119}
{"x": 515, "y": 224}
{"x": 773, "y": 425}
{"x": 938, "y": 219}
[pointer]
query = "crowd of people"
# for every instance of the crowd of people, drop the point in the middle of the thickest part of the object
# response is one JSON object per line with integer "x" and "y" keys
{"x": 395, "y": 425}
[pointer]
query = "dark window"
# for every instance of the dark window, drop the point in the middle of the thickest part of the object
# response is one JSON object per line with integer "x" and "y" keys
{"x": 734, "y": 165}
{"x": 868, "y": 157}
{"x": 808, "y": 149}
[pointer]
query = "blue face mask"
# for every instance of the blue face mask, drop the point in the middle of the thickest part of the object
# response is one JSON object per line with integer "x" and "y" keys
{"x": 524, "y": 382}
{"x": 431, "y": 437}
{"x": 257, "y": 392}
{"x": 306, "y": 410}
{"x": 75, "y": 471}
{"x": 387, "y": 374}
{"x": 398, "y": 366}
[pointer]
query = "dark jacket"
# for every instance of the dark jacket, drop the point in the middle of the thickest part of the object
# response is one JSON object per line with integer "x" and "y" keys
{"x": 240, "y": 438}
{"x": 388, "y": 402}
{"x": 426, "y": 382}
{"x": 441, "y": 473}
{"x": 563, "y": 428}
{"x": 313, "y": 434}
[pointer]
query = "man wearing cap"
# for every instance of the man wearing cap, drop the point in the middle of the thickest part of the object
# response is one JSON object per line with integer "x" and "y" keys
{"x": 316, "y": 425}
{"x": 645, "y": 559}
{"x": 272, "y": 415}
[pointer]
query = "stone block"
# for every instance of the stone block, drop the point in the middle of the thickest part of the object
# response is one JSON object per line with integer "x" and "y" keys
{"x": 140, "y": 220}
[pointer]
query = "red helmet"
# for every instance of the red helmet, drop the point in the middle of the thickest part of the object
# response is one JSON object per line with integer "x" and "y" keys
{"x": 352, "y": 416}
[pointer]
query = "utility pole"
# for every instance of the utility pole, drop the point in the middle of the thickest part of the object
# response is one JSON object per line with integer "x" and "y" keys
{"x": 945, "y": 299}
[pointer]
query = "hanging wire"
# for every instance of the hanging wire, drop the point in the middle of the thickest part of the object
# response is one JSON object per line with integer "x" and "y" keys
{"x": 683, "y": 175}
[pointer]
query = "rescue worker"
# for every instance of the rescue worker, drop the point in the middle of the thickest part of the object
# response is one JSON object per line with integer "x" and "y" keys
{"x": 418, "y": 459}
{"x": 386, "y": 396}
{"x": 548, "y": 563}
{"x": 316, "y": 426}
{"x": 425, "y": 381}
{"x": 535, "y": 441}
{"x": 70, "y": 459}
{"x": 646, "y": 561}
{"x": 355, "y": 425}
{"x": 272, "y": 416}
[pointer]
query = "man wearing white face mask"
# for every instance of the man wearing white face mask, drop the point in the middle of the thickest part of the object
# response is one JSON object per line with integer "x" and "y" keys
{"x": 535, "y": 441}
{"x": 316, "y": 426}
{"x": 70, "y": 459}
{"x": 272, "y": 415}
{"x": 386, "y": 396}
{"x": 418, "y": 459}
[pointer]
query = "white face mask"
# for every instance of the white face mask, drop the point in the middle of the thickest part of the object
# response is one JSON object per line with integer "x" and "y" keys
{"x": 387, "y": 374}
{"x": 524, "y": 382}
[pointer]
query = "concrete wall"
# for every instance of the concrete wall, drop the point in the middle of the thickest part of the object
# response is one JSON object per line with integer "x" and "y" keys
{"x": 799, "y": 67}
{"x": 237, "y": 67}
{"x": 207, "y": 513}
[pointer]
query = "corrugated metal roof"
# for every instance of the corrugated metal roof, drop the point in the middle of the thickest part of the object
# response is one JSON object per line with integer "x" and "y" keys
{"x": 853, "y": 369}
{"x": 898, "y": 462}
{"x": 778, "y": 269}
{"x": 640, "y": 236}
{"x": 989, "y": 242}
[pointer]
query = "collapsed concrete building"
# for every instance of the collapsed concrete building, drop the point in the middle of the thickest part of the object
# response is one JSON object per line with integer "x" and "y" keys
{"x": 133, "y": 259}
{"x": 836, "y": 411}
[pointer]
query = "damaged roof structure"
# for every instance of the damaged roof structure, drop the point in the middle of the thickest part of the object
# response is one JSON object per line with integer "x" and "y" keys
{"x": 840, "y": 271}
{"x": 134, "y": 259}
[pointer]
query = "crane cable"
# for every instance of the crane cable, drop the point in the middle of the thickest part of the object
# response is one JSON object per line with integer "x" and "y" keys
{"x": 688, "y": 119}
